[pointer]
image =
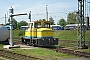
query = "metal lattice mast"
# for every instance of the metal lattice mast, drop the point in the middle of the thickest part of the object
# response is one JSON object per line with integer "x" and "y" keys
{"x": 82, "y": 27}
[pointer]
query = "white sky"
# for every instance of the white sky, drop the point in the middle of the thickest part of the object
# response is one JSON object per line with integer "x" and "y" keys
{"x": 57, "y": 9}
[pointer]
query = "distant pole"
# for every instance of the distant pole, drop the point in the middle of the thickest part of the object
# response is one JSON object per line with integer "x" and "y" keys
{"x": 89, "y": 9}
{"x": 5, "y": 19}
{"x": 85, "y": 10}
{"x": 30, "y": 16}
{"x": 46, "y": 13}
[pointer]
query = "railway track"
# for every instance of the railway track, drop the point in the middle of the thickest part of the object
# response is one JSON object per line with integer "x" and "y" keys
{"x": 70, "y": 51}
{"x": 17, "y": 41}
{"x": 74, "y": 52}
{"x": 16, "y": 56}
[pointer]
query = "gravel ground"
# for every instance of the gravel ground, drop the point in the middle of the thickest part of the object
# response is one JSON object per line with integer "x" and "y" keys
{"x": 27, "y": 47}
{"x": 74, "y": 59}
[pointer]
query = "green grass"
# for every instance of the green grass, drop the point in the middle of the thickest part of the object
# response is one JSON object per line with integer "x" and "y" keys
{"x": 1, "y": 46}
{"x": 65, "y": 34}
{"x": 18, "y": 33}
{"x": 86, "y": 50}
{"x": 44, "y": 53}
{"x": 62, "y": 34}
{"x": 70, "y": 35}
{"x": 66, "y": 44}
{"x": 41, "y": 52}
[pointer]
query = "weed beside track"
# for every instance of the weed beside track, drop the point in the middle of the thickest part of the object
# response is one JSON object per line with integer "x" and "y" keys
{"x": 17, "y": 56}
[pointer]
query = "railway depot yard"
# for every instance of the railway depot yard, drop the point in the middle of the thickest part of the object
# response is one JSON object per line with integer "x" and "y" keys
{"x": 48, "y": 30}
{"x": 39, "y": 52}
{"x": 67, "y": 39}
{"x": 42, "y": 53}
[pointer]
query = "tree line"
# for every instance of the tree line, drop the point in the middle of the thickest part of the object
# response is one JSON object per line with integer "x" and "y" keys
{"x": 72, "y": 18}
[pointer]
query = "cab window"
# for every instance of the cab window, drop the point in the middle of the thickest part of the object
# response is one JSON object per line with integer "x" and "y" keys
{"x": 46, "y": 25}
{"x": 38, "y": 25}
{"x": 30, "y": 25}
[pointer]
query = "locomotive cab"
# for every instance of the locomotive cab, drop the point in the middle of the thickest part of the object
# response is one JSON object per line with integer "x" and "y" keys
{"x": 39, "y": 33}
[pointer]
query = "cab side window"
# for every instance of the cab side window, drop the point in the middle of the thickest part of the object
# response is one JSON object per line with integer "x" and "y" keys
{"x": 46, "y": 25}
{"x": 38, "y": 25}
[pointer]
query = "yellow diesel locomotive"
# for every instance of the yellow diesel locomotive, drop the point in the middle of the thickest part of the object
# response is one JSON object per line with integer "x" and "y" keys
{"x": 39, "y": 33}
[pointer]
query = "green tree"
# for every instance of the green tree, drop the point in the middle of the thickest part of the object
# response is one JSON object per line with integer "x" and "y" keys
{"x": 72, "y": 18}
{"x": 14, "y": 23}
{"x": 22, "y": 23}
{"x": 52, "y": 21}
{"x": 42, "y": 19}
{"x": 62, "y": 22}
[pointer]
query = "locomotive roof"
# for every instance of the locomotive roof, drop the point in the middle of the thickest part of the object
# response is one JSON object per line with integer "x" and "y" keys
{"x": 39, "y": 21}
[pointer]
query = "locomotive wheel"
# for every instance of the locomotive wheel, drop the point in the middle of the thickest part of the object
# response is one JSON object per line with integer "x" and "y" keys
{"x": 28, "y": 43}
{"x": 34, "y": 43}
{"x": 22, "y": 40}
